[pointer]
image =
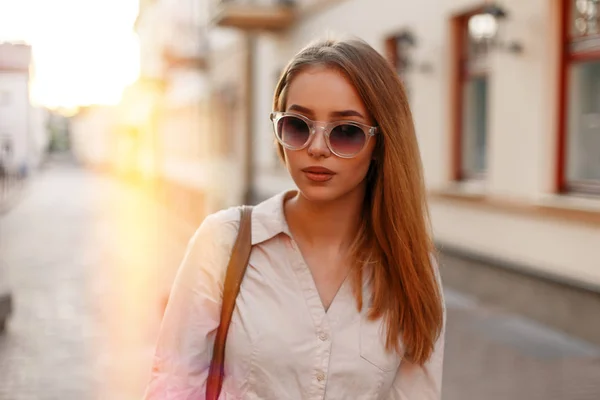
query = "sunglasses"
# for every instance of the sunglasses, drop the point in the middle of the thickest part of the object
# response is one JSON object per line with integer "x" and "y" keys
{"x": 343, "y": 138}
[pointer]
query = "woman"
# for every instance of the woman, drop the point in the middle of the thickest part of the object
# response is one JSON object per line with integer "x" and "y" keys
{"x": 341, "y": 298}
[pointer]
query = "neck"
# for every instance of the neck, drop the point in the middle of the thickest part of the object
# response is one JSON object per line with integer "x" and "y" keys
{"x": 332, "y": 224}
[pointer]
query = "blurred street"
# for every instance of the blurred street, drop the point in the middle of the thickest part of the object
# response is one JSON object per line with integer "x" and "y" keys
{"x": 88, "y": 262}
{"x": 90, "y": 258}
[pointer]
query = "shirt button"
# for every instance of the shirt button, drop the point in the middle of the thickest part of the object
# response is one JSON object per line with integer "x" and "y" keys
{"x": 320, "y": 376}
{"x": 323, "y": 336}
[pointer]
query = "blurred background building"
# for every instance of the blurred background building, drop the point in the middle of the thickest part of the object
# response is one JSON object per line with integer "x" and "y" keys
{"x": 23, "y": 135}
{"x": 505, "y": 96}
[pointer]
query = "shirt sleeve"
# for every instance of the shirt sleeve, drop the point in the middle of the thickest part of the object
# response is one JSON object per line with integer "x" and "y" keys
{"x": 415, "y": 382}
{"x": 186, "y": 336}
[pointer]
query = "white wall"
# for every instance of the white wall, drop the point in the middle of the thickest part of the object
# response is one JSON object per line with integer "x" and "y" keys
{"x": 564, "y": 250}
{"x": 519, "y": 100}
{"x": 522, "y": 130}
{"x": 15, "y": 115}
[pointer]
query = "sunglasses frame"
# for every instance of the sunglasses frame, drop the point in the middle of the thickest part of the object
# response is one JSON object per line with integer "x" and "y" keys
{"x": 326, "y": 127}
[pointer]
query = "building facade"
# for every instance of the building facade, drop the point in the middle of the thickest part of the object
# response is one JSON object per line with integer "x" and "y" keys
{"x": 506, "y": 102}
{"x": 23, "y": 137}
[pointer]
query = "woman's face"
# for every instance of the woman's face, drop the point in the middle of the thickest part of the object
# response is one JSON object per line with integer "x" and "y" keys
{"x": 326, "y": 95}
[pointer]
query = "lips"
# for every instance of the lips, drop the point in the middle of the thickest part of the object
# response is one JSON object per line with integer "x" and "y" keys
{"x": 318, "y": 174}
{"x": 318, "y": 170}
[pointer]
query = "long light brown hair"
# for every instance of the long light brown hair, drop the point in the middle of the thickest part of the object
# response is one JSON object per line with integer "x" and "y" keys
{"x": 393, "y": 246}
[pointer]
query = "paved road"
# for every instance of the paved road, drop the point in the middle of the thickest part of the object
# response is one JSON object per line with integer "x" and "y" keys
{"x": 89, "y": 259}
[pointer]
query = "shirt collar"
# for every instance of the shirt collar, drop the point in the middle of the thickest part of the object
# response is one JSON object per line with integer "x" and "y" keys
{"x": 268, "y": 218}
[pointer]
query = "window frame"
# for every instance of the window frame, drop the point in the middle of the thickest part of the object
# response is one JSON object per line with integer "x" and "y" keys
{"x": 393, "y": 54}
{"x": 568, "y": 58}
{"x": 459, "y": 76}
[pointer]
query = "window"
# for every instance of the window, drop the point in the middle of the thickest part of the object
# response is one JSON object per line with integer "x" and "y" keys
{"x": 398, "y": 52}
{"x": 470, "y": 101}
{"x": 579, "y": 137}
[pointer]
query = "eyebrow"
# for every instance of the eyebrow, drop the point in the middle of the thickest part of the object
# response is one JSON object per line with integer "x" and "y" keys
{"x": 344, "y": 113}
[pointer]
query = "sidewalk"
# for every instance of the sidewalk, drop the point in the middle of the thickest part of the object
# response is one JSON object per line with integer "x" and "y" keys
{"x": 11, "y": 189}
{"x": 494, "y": 355}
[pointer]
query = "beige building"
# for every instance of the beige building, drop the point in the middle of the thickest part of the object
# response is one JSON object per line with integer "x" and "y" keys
{"x": 506, "y": 103}
{"x": 184, "y": 120}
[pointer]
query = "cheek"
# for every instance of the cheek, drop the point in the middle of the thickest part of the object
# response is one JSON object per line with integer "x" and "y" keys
{"x": 364, "y": 161}
{"x": 289, "y": 158}
{"x": 363, "y": 167}
{"x": 355, "y": 170}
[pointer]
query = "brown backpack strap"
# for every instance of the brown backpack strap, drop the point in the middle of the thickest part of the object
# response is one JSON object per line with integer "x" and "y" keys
{"x": 236, "y": 269}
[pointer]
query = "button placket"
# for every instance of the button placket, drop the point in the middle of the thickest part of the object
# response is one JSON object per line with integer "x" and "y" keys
{"x": 322, "y": 329}
{"x": 320, "y": 376}
{"x": 324, "y": 345}
{"x": 321, "y": 371}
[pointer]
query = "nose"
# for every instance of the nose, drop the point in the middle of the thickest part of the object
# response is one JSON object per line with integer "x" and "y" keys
{"x": 318, "y": 145}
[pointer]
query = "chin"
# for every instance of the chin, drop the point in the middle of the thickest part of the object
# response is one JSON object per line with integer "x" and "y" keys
{"x": 319, "y": 193}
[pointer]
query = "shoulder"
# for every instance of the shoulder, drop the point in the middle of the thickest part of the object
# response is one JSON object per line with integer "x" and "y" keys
{"x": 209, "y": 249}
{"x": 221, "y": 225}
{"x": 216, "y": 234}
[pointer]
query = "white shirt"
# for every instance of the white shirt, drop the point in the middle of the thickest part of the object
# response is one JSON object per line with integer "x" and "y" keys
{"x": 282, "y": 343}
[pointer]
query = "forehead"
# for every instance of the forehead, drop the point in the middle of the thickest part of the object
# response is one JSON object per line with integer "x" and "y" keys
{"x": 324, "y": 89}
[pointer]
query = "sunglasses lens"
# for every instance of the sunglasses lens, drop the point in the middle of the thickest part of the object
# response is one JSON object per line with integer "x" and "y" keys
{"x": 347, "y": 139}
{"x": 293, "y": 131}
